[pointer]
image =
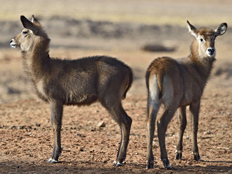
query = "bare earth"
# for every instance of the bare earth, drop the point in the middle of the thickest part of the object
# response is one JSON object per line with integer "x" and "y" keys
{"x": 25, "y": 128}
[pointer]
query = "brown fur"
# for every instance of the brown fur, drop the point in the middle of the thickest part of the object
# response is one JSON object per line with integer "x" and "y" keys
{"x": 177, "y": 84}
{"x": 74, "y": 82}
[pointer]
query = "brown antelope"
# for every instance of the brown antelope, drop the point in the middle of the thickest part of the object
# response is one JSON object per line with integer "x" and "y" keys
{"x": 74, "y": 82}
{"x": 177, "y": 84}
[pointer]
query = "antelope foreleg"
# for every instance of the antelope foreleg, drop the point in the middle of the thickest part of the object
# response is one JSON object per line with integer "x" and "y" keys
{"x": 194, "y": 109}
{"x": 56, "y": 120}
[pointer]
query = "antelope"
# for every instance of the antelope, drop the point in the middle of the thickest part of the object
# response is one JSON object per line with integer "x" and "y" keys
{"x": 178, "y": 83}
{"x": 74, "y": 82}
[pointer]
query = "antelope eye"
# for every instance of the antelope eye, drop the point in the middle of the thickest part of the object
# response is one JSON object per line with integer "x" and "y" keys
{"x": 201, "y": 39}
{"x": 24, "y": 32}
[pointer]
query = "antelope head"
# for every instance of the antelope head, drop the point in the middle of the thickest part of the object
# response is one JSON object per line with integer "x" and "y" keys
{"x": 25, "y": 39}
{"x": 205, "y": 39}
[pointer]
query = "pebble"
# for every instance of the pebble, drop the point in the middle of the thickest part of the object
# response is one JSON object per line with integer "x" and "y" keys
{"x": 101, "y": 124}
{"x": 208, "y": 133}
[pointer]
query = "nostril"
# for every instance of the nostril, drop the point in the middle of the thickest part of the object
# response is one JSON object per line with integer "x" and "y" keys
{"x": 12, "y": 40}
{"x": 211, "y": 50}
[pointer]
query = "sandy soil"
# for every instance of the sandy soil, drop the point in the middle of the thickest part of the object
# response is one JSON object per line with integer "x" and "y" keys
{"x": 25, "y": 128}
{"x": 26, "y": 135}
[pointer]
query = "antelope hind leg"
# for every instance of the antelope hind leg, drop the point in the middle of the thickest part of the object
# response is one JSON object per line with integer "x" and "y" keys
{"x": 182, "y": 125}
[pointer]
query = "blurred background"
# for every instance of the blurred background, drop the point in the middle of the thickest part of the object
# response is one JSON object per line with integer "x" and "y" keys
{"x": 134, "y": 31}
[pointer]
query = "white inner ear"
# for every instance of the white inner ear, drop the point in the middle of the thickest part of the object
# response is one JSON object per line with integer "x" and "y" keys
{"x": 191, "y": 31}
{"x": 220, "y": 30}
{"x": 223, "y": 30}
{"x": 32, "y": 19}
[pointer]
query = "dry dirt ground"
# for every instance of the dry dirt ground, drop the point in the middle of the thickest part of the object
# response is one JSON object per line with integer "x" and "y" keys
{"x": 25, "y": 128}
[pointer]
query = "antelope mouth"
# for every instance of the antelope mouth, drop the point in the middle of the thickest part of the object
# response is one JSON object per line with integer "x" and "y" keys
{"x": 211, "y": 55}
{"x": 13, "y": 44}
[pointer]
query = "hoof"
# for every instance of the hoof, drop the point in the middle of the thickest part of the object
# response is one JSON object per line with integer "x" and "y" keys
{"x": 178, "y": 155}
{"x": 150, "y": 165}
{"x": 166, "y": 164}
{"x": 52, "y": 161}
{"x": 197, "y": 156}
{"x": 117, "y": 163}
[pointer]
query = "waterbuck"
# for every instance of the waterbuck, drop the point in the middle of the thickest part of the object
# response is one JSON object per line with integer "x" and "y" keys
{"x": 178, "y": 84}
{"x": 74, "y": 82}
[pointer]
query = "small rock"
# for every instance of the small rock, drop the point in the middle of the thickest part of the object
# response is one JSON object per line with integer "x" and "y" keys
{"x": 13, "y": 127}
{"x": 29, "y": 127}
{"x": 37, "y": 124}
{"x": 101, "y": 124}
{"x": 80, "y": 135}
{"x": 81, "y": 149}
{"x": 92, "y": 129}
{"x": 208, "y": 132}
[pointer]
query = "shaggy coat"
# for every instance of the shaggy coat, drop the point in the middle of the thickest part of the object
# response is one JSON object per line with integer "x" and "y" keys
{"x": 178, "y": 84}
{"x": 74, "y": 82}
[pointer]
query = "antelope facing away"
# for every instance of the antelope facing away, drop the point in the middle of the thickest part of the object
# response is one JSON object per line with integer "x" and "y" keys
{"x": 74, "y": 82}
{"x": 177, "y": 84}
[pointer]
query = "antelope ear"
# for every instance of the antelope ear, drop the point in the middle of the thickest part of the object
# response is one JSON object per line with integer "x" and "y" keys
{"x": 35, "y": 21}
{"x": 192, "y": 29}
{"x": 221, "y": 29}
{"x": 28, "y": 24}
